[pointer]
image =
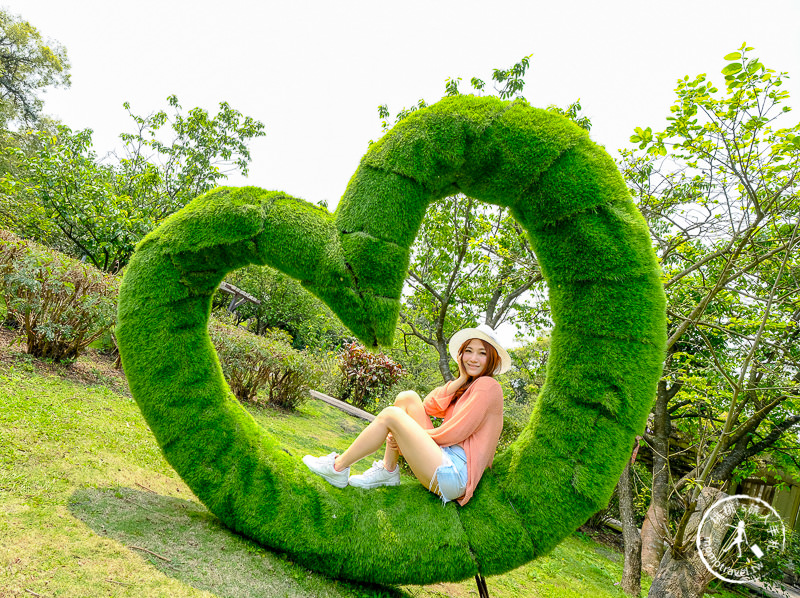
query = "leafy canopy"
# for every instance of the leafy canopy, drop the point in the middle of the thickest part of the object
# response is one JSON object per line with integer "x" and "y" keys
{"x": 60, "y": 193}
{"x": 28, "y": 64}
{"x": 719, "y": 189}
{"x": 472, "y": 262}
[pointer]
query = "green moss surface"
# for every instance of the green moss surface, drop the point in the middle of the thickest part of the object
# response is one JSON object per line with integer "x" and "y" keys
{"x": 608, "y": 307}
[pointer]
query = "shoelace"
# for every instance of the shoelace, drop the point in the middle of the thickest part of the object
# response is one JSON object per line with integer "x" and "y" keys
{"x": 376, "y": 466}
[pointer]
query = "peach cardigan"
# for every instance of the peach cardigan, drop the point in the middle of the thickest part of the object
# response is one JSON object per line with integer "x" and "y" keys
{"x": 474, "y": 421}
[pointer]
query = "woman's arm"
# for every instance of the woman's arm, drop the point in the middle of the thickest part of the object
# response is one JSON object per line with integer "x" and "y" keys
{"x": 482, "y": 400}
{"x": 437, "y": 401}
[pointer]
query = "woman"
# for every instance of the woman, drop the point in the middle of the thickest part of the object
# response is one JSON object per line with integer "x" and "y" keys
{"x": 448, "y": 460}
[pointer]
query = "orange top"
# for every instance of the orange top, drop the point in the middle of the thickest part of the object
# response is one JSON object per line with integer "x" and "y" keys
{"x": 474, "y": 421}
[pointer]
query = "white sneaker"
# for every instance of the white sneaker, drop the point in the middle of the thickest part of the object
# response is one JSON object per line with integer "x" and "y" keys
{"x": 376, "y": 476}
{"x": 323, "y": 466}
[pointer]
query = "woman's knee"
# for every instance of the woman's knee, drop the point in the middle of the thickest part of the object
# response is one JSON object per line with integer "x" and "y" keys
{"x": 390, "y": 415}
{"x": 407, "y": 397}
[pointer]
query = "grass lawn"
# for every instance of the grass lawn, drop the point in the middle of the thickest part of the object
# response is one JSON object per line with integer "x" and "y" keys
{"x": 89, "y": 507}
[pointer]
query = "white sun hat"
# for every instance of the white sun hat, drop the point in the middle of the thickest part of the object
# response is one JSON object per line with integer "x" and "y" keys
{"x": 485, "y": 333}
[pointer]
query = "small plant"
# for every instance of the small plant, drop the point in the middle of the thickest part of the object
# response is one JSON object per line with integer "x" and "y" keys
{"x": 511, "y": 429}
{"x": 366, "y": 376}
{"x": 59, "y": 303}
{"x": 609, "y": 512}
{"x": 254, "y": 363}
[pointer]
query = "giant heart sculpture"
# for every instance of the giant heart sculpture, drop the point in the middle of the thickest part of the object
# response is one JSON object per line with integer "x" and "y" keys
{"x": 606, "y": 351}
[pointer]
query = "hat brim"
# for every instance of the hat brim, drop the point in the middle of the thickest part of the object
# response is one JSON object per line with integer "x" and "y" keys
{"x": 460, "y": 337}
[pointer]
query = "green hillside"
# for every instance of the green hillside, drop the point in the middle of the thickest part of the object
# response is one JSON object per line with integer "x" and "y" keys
{"x": 89, "y": 507}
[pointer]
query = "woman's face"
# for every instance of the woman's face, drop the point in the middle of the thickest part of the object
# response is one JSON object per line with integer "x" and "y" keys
{"x": 474, "y": 358}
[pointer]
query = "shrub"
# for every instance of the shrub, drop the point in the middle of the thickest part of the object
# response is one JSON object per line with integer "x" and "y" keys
{"x": 607, "y": 513}
{"x": 327, "y": 363}
{"x": 511, "y": 430}
{"x": 779, "y": 567}
{"x": 420, "y": 363}
{"x": 59, "y": 303}
{"x": 253, "y": 363}
{"x": 287, "y": 305}
{"x": 366, "y": 376}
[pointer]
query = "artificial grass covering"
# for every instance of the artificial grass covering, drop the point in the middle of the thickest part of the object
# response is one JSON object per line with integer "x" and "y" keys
{"x": 607, "y": 346}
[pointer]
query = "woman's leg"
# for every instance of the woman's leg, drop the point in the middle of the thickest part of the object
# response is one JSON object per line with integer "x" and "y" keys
{"x": 411, "y": 403}
{"x": 421, "y": 452}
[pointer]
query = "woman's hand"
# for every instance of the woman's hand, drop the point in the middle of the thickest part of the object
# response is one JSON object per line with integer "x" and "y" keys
{"x": 462, "y": 374}
{"x": 391, "y": 443}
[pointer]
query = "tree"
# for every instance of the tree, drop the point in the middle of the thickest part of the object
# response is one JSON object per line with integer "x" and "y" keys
{"x": 631, "y": 582}
{"x": 28, "y": 64}
{"x": 528, "y": 367}
{"x": 419, "y": 361}
{"x": 718, "y": 188}
{"x": 61, "y": 194}
{"x": 287, "y": 306}
{"x": 169, "y": 166}
{"x": 472, "y": 262}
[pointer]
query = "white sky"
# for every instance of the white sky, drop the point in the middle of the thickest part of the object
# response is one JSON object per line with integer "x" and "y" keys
{"x": 314, "y": 72}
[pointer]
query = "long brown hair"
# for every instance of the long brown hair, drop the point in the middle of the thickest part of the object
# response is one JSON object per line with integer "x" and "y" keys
{"x": 492, "y": 362}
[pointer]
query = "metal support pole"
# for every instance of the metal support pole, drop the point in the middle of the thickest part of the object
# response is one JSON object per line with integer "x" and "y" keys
{"x": 483, "y": 591}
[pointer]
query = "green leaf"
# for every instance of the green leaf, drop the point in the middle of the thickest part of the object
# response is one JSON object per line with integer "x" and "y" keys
{"x": 732, "y": 68}
{"x": 733, "y": 56}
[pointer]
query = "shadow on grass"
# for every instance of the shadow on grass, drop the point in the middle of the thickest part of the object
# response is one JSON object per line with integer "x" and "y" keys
{"x": 186, "y": 542}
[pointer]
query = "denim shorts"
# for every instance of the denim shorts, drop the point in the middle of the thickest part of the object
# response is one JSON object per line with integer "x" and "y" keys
{"x": 450, "y": 478}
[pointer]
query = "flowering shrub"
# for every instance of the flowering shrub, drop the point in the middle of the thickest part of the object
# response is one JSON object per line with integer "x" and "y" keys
{"x": 60, "y": 304}
{"x": 366, "y": 376}
{"x": 253, "y": 363}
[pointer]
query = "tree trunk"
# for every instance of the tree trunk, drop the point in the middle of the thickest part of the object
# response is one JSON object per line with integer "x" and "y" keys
{"x": 685, "y": 575}
{"x": 652, "y": 536}
{"x": 632, "y": 569}
{"x": 655, "y": 523}
{"x": 681, "y": 578}
{"x": 444, "y": 360}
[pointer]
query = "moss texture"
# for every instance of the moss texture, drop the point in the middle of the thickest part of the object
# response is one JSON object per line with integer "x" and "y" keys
{"x": 607, "y": 345}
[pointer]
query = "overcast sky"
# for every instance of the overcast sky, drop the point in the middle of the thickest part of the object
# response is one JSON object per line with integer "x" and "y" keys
{"x": 314, "y": 72}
